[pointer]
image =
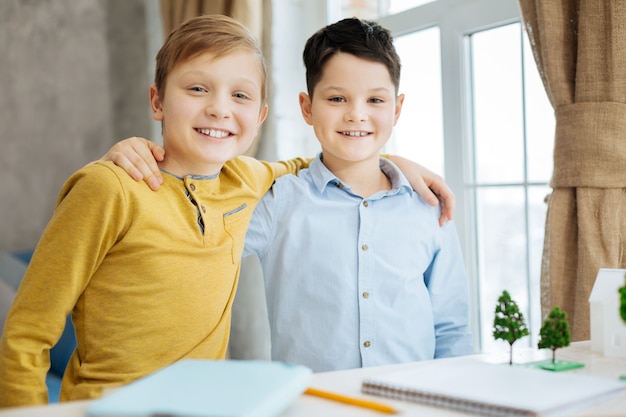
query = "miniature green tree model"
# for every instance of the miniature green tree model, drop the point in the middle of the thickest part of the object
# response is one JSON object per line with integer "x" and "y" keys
{"x": 622, "y": 308}
{"x": 509, "y": 323}
{"x": 554, "y": 332}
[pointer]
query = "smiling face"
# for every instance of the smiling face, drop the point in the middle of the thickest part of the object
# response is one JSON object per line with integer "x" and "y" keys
{"x": 353, "y": 109}
{"x": 211, "y": 111}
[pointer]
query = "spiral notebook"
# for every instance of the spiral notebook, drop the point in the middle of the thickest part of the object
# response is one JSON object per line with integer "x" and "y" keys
{"x": 204, "y": 388}
{"x": 467, "y": 384}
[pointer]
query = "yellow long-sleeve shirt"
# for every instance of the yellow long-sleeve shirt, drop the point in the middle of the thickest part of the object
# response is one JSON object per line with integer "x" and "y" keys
{"x": 144, "y": 284}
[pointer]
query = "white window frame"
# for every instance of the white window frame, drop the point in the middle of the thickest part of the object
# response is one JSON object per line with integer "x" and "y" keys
{"x": 456, "y": 20}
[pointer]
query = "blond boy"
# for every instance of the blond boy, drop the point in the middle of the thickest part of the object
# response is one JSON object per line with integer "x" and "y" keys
{"x": 149, "y": 277}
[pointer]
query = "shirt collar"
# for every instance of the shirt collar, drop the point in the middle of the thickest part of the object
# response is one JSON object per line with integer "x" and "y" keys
{"x": 192, "y": 176}
{"x": 322, "y": 176}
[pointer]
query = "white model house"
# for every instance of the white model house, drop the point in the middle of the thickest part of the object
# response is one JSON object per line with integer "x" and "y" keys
{"x": 608, "y": 331}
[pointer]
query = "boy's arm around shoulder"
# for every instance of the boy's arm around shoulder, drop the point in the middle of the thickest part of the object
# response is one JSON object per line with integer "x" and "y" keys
{"x": 430, "y": 186}
{"x": 138, "y": 157}
{"x": 289, "y": 166}
{"x": 263, "y": 173}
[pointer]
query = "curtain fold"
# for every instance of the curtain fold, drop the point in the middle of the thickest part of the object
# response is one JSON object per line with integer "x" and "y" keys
{"x": 580, "y": 50}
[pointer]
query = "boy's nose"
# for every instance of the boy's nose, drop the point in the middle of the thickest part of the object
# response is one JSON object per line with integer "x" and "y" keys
{"x": 218, "y": 107}
{"x": 356, "y": 114}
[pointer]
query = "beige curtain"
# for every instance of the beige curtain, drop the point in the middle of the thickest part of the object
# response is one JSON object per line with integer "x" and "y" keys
{"x": 580, "y": 50}
{"x": 249, "y": 12}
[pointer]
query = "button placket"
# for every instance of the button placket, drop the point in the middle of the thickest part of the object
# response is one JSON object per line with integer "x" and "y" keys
{"x": 200, "y": 209}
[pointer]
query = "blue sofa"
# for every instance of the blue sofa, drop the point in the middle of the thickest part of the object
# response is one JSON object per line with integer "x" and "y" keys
{"x": 12, "y": 268}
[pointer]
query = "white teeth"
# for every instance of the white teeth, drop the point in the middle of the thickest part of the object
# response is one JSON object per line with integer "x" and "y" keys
{"x": 214, "y": 133}
{"x": 352, "y": 133}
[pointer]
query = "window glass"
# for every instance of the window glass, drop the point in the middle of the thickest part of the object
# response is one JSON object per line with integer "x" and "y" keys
{"x": 540, "y": 122}
{"x": 498, "y": 116}
{"x": 502, "y": 261}
{"x": 397, "y": 6}
{"x": 510, "y": 231}
{"x": 373, "y": 9}
{"x": 537, "y": 209}
{"x": 418, "y": 134}
{"x": 512, "y": 148}
{"x": 363, "y": 9}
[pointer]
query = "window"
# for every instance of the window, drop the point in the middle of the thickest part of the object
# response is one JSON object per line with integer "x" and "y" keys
{"x": 512, "y": 167}
{"x": 370, "y": 9}
{"x": 418, "y": 135}
{"x": 476, "y": 111}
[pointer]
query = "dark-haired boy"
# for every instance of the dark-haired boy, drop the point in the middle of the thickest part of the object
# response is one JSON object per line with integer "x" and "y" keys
{"x": 357, "y": 270}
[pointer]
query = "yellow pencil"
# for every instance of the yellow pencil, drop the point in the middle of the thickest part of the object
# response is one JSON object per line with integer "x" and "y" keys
{"x": 351, "y": 400}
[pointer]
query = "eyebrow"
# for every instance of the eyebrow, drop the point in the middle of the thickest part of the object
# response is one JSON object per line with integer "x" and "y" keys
{"x": 375, "y": 89}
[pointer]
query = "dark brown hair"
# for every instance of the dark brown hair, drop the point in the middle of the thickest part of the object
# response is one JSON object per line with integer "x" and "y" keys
{"x": 361, "y": 38}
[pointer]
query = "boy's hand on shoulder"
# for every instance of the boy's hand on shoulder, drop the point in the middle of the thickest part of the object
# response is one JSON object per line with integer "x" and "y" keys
{"x": 430, "y": 186}
{"x": 138, "y": 157}
{"x": 442, "y": 194}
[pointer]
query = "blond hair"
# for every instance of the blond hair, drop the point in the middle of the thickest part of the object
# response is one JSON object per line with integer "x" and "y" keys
{"x": 217, "y": 34}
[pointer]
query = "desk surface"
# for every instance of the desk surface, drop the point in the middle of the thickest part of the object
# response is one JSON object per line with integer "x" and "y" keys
{"x": 349, "y": 383}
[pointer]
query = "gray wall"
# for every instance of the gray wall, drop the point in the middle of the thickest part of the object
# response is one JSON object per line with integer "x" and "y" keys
{"x": 73, "y": 80}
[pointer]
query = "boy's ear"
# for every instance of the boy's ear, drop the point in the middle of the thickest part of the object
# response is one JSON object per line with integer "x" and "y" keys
{"x": 305, "y": 107}
{"x": 399, "y": 102}
{"x": 262, "y": 115}
{"x": 155, "y": 104}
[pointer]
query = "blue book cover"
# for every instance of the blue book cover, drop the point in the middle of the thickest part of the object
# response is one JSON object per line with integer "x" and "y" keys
{"x": 204, "y": 388}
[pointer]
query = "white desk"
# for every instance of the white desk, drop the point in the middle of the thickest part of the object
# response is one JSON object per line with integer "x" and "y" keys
{"x": 349, "y": 383}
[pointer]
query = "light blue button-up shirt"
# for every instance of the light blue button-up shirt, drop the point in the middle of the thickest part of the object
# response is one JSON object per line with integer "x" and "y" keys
{"x": 353, "y": 282}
